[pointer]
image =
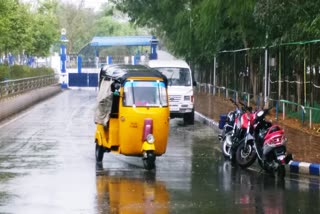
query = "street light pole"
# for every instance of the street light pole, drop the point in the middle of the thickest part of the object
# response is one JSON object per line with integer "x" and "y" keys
{"x": 266, "y": 63}
{"x": 63, "y": 58}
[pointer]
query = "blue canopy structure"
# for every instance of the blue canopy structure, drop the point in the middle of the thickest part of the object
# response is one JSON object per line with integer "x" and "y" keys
{"x": 109, "y": 50}
{"x": 116, "y": 47}
{"x": 123, "y": 41}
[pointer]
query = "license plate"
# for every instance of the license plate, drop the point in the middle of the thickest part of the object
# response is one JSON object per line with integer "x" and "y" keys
{"x": 281, "y": 157}
{"x": 174, "y": 108}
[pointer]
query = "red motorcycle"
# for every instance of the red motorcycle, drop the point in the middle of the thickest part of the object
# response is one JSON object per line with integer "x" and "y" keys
{"x": 243, "y": 136}
{"x": 269, "y": 146}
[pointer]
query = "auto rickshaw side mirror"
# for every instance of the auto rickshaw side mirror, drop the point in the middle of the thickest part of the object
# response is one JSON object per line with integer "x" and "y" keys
{"x": 115, "y": 86}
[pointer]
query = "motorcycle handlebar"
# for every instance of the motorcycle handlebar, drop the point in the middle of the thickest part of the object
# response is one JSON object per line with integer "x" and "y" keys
{"x": 234, "y": 102}
{"x": 244, "y": 106}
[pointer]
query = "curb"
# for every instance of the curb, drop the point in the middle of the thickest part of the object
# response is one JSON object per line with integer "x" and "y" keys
{"x": 18, "y": 103}
{"x": 297, "y": 167}
{"x": 304, "y": 168}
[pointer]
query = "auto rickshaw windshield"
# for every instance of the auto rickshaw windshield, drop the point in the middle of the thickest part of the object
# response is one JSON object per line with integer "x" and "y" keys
{"x": 145, "y": 93}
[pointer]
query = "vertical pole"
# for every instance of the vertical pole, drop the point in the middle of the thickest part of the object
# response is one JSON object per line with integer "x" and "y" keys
{"x": 266, "y": 77}
{"x": 277, "y": 109}
{"x": 237, "y": 97}
{"x": 96, "y": 57}
{"x": 154, "y": 43}
{"x": 310, "y": 124}
{"x": 214, "y": 74}
{"x": 63, "y": 58}
{"x": 279, "y": 79}
{"x": 234, "y": 72}
{"x": 302, "y": 114}
{"x": 305, "y": 76}
{"x": 283, "y": 110}
{"x": 79, "y": 60}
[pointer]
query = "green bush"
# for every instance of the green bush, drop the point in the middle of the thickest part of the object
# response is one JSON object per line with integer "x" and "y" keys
{"x": 4, "y": 72}
{"x": 22, "y": 71}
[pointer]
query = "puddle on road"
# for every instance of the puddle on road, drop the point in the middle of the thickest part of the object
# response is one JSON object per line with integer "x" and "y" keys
{"x": 120, "y": 192}
{"x": 5, "y": 177}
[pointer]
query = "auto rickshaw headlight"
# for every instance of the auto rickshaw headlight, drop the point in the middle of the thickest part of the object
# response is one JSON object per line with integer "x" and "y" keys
{"x": 150, "y": 138}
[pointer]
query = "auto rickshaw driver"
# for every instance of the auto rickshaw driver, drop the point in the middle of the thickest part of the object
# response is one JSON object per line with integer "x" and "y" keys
{"x": 107, "y": 88}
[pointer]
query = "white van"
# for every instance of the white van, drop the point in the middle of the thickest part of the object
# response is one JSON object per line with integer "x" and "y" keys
{"x": 180, "y": 87}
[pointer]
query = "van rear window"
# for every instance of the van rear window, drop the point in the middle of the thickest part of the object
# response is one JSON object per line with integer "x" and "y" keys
{"x": 176, "y": 76}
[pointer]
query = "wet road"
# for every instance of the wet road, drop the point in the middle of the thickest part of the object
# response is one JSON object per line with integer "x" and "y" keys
{"x": 47, "y": 165}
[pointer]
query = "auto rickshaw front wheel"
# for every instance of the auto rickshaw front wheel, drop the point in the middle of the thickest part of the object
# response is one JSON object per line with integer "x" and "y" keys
{"x": 149, "y": 160}
{"x": 99, "y": 152}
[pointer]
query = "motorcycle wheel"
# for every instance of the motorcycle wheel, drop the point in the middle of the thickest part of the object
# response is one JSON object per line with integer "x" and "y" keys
{"x": 99, "y": 153}
{"x": 245, "y": 156}
{"x": 260, "y": 162}
{"x": 281, "y": 171}
{"x": 226, "y": 149}
{"x": 149, "y": 161}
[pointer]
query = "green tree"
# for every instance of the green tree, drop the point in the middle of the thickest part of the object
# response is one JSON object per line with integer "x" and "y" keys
{"x": 44, "y": 31}
{"x": 111, "y": 22}
{"x": 79, "y": 23}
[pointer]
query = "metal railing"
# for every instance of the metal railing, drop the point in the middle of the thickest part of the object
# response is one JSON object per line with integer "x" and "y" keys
{"x": 307, "y": 115}
{"x": 14, "y": 87}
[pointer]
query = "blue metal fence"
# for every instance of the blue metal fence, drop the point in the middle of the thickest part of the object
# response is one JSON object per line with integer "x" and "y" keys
{"x": 83, "y": 79}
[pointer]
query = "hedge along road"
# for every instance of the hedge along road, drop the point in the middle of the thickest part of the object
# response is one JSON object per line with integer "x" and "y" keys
{"x": 47, "y": 165}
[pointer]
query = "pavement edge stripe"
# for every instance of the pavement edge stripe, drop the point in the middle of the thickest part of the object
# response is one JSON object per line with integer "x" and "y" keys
{"x": 314, "y": 169}
{"x": 294, "y": 166}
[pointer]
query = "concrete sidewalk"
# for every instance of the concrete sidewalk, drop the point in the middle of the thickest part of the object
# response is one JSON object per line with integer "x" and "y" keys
{"x": 305, "y": 148}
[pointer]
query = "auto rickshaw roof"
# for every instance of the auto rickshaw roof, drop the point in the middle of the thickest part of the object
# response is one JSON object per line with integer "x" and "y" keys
{"x": 128, "y": 71}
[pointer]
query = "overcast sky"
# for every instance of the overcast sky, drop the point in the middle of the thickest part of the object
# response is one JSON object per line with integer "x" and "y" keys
{"x": 95, "y": 4}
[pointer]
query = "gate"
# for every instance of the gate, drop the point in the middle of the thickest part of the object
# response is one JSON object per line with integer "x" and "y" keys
{"x": 83, "y": 80}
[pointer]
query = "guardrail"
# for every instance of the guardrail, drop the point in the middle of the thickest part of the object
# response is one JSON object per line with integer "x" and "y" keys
{"x": 305, "y": 114}
{"x": 14, "y": 87}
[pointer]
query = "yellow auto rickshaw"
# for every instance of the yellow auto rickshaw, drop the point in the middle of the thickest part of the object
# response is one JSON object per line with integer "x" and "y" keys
{"x": 139, "y": 118}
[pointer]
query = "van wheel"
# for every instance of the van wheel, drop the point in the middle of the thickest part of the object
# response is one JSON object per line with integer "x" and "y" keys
{"x": 99, "y": 153}
{"x": 188, "y": 118}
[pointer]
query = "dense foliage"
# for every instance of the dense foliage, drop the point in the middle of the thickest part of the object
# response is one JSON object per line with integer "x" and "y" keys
{"x": 18, "y": 72}
{"x": 201, "y": 28}
{"x": 25, "y": 30}
{"x": 82, "y": 24}
{"x": 32, "y": 28}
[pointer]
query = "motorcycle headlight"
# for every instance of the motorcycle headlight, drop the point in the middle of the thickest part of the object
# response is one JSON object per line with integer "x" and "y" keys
{"x": 150, "y": 138}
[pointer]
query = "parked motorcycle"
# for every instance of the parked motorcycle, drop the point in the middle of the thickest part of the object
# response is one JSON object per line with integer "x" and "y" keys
{"x": 240, "y": 132}
{"x": 225, "y": 137}
{"x": 244, "y": 136}
{"x": 269, "y": 146}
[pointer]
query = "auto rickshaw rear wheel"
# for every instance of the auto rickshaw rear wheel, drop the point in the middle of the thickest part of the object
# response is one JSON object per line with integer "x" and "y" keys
{"x": 149, "y": 160}
{"x": 99, "y": 152}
